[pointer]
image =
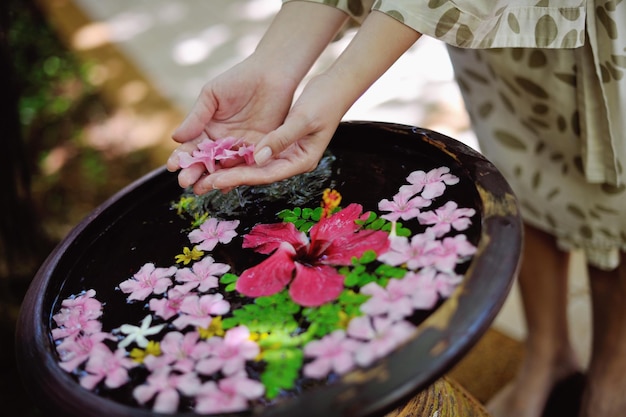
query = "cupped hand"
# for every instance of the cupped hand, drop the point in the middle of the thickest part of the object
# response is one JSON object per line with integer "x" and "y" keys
{"x": 246, "y": 102}
{"x": 293, "y": 148}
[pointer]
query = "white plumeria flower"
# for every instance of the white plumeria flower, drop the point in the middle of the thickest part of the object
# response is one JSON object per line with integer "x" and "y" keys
{"x": 138, "y": 334}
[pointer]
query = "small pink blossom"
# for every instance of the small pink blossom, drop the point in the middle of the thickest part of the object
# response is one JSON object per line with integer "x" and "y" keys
{"x": 78, "y": 315}
{"x": 394, "y": 300}
{"x": 426, "y": 293}
{"x": 203, "y": 275}
{"x": 416, "y": 253}
{"x": 216, "y": 154}
{"x": 199, "y": 311}
{"x": 404, "y": 206}
{"x": 166, "y": 385}
{"x": 333, "y": 353}
{"x": 229, "y": 354}
{"x": 107, "y": 366}
{"x": 168, "y": 306}
{"x": 452, "y": 251}
{"x": 212, "y": 232}
{"x": 148, "y": 280}
{"x": 447, "y": 217}
{"x": 381, "y": 336}
{"x": 228, "y": 395}
{"x": 430, "y": 184}
{"x": 75, "y": 351}
{"x": 179, "y": 351}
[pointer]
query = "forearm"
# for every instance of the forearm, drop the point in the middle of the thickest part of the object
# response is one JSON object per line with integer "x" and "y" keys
{"x": 297, "y": 36}
{"x": 380, "y": 41}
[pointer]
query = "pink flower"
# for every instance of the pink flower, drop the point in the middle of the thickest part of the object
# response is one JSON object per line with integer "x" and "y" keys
{"x": 426, "y": 288}
{"x": 452, "y": 251}
{"x": 382, "y": 335}
{"x": 334, "y": 352}
{"x": 112, "y": 367}
{"x": 166, "y": 386}
{"x": 149, "y": 280}
{"x": 229, "y": 354}
{"x": 431, "y": 184}
{"x": 199, "y": 311}
{"x": 203, "y": 275}
{"x": 228, "y": 395}
{"x": 168, "y": 306}
{"x": 78, "y": 315}
{"x": 447, "y": 217}
{"x": 309, "y": 267}
{"x": 212, "y": 232}
{"x": 393, "y": 300}
{"x": 179, "y": 351}
{"x": 415, "y": 254}
{"x": 75, "y": 351}
{"x": 403, "y": 206}
{"x": 214, "y": 155}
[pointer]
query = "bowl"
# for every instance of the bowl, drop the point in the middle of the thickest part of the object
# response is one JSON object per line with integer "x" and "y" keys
{"x": 367, "y": 162}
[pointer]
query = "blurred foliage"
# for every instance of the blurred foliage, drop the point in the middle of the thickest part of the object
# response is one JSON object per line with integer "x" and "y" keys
{"x": 51, "y": 79}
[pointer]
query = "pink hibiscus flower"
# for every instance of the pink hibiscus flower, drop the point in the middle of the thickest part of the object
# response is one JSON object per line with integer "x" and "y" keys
{"x": 228, "y": 395}
{"x": 334, "y": 352}
{"x": 229, "y": 354}
{"x": 212, "y": 232}
{"x": 431, "y": 184}
{"x": 308, "y": 266}
{"x": 148, "y": 280}
{"x": 203, "y": 275}
{"x": 447, "y": 217}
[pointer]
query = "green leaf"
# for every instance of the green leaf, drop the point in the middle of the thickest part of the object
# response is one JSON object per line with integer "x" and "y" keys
{"x": 282, "y": 370}
{"x": 297, "y": 211}
{"x": 317, "y": 214}
{"x": 228, "y": 278}
{"x": 368, "y": 257}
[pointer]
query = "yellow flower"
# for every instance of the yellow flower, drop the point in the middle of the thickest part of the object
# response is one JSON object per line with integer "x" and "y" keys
{"x": 153, "y": 348}
{"x": 330, "y": 201}
{"x": 214, "y": 329}
{"x": 189, "y": 255}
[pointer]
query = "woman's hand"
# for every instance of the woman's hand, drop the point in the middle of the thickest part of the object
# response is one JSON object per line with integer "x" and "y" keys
{"x": 253, "y": 98}
{"x": 299, "y": 143}
{"x": 245, "y": 103}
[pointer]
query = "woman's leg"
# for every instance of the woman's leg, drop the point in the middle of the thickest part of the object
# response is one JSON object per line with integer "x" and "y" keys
{"x": 605, "y": 394}
{"x": 549, "y": 355}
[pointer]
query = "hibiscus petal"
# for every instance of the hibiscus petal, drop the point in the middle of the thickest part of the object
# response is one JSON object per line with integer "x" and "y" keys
{"x": 270, "y": 276}
{"x": 315, "y": 285}
{"x": 266, "y": 238}
{"x": 339, "y": 224}
{"x": 341, "y": 250}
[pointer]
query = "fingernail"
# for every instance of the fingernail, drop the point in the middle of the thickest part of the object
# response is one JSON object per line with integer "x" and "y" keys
{"x": 263, "y": 155}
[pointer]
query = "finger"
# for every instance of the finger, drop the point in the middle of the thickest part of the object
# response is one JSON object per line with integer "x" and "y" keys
{"x": 200, "y": 115}
{"x": 294, "y": 128}
{"x": 173, "y": 162}
{"x": 190, "y": 176}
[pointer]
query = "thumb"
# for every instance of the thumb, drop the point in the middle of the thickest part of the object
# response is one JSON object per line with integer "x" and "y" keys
{"x": 275, "y": 142}
{"x": 200, "y": 115}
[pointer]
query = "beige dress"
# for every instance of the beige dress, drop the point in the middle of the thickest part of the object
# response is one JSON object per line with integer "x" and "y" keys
{"x": 544, "y": 82}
